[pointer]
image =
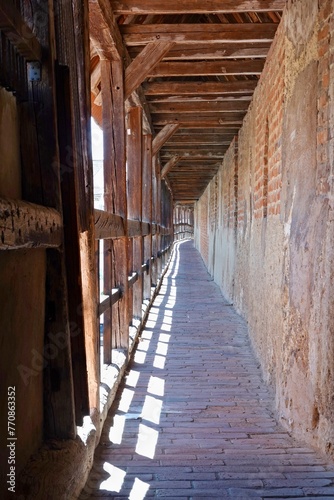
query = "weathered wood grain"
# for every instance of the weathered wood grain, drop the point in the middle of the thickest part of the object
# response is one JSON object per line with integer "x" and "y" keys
{"x": 26, "y": 225}
{"x": 144, "y": 64}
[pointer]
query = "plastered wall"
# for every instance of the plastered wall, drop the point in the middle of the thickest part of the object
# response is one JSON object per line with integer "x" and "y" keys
{"x": 265, "y": 228}
{"x": 22, "y": 303}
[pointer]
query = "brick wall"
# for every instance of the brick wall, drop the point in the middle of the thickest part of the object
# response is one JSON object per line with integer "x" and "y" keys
{"x": 270, "y": 241}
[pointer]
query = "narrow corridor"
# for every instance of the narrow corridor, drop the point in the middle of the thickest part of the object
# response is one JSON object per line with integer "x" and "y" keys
{"x": 193, "y": 418}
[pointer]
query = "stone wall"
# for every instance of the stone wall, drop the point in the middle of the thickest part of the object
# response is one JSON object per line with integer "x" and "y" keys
{"x": 269, "y": 242}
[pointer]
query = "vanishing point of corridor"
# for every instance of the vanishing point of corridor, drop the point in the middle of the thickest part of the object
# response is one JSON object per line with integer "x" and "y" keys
{"x": 193, "y": 417}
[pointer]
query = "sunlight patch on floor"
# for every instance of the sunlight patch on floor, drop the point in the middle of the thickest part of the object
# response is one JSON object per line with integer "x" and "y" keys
{"x": 116, "y": 479}
{"x": 147, "y": 441}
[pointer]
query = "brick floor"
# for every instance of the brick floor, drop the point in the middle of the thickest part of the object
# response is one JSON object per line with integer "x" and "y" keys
{"x": 193, "y": 418}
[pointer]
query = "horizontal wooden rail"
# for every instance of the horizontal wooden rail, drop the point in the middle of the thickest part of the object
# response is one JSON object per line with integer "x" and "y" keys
{"x": 117, "y": 293}
{"x": 26, "y": 225}
{"x": 109, "y": 226}
{"x": 18, "y": 32}
{"x": 110, "y": 300}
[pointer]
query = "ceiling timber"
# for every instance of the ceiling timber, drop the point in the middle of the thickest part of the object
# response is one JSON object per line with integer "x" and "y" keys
{"x": 194, "y": 65}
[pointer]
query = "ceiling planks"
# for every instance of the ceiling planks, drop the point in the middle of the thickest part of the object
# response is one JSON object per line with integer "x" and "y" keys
{"x": 142, "y": 7}
{"x": 198, "y": 63}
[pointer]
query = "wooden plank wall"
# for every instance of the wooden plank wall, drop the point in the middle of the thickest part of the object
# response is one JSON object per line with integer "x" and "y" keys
{"x": 57, "y": 186}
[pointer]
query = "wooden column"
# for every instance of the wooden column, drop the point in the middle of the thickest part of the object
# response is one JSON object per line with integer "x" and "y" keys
{"x": 158, "y": 216}
{"x": 147, "y": 212}
{"x": 155, "y": 220}
{"x": 115, "y": 251}
{"x": 41, "y": 169}
{"x": 134, "y": 183}
{"x": 72, "y": 45}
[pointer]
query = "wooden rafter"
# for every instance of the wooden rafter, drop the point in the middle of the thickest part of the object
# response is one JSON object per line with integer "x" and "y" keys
{"x": 213, "y": 51}
{"x": 207, "y": 68}
{"x": 163, "y": 136}
{"x": 193, "y": 33}
{"x": 144, "y": 64}
{"x": 169, "y": 165}
{"x": 18, "y": 32}
{"x": 104, "y": 31}
{"x": 200, "y": 87}
{"x": 142, "y": 7}
{"x": 198, "y": 106}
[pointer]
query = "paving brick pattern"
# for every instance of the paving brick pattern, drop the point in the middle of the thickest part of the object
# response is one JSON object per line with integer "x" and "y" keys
{"x": 193, "y": 418}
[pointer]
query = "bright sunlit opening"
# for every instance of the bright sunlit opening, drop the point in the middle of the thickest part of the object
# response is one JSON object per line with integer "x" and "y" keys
{"x": 152, "y": 410}
{"x": 139, "y": 490}
{"x": 117, "y": 429}
{"x": 116, "y": 479}
{"x": 156, "y": 386}
{"x": 147, "y": 441}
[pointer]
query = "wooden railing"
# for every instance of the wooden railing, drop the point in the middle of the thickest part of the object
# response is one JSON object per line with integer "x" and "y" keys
{"x": 113, "y": 227}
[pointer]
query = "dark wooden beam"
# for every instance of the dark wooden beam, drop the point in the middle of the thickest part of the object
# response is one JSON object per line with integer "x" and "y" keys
{"x": 18, "y": 32}
{"x": 142, "y": 34}
{"x": 199, "y": 120}
{"x": 215, "y": 51}
{"x": 108, "y": 225}
{"x": 163, "y": 136}
{"x": 169, "y": 165}
{"x": 207, "y": 68}
{"x": 199, "y": 88}
{"x": 144, "y": 64}
{"x": 104, "y": 31}
{"x": 199, "y": 107}
{"x": 142, "y": 7}
{"x": 26, "y": 225}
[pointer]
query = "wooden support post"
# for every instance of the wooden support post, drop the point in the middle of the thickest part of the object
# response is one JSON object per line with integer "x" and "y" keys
{"x": 72, "y": 45}
{"x": 134, "y": 182}
{"x": 72, "y": 247}
{"x": 147, "y": 212}
{"x": 115, "y": 190}
{"x": 155, "y": 247}
{"x": 158, "y": 216}
{"x": 41, "y": 168}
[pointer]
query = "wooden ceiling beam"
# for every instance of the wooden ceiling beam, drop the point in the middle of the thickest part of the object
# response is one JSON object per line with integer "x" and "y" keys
{"x": 163, "y": 136}
{"x": 169, "y": 165}
{"x": 196, "y": 137}
{"x": 143, "y": 7}
{"x": 199, "y": 120}
{"x": 104, "y": 31}
{"x": 142, "y": 34}
{"x": 207, "y": 68}
{"x": 18, "y": 32}
{"x": 144, "y": 64}
{"x": 199, "y": 107}
{"x": 199, "y": 88}
{"x": 212, "y": 51}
